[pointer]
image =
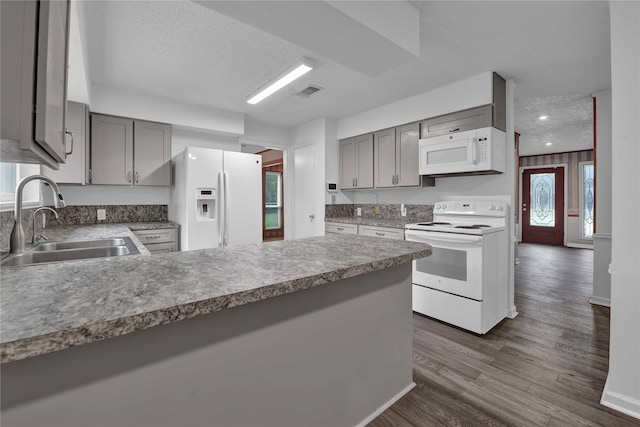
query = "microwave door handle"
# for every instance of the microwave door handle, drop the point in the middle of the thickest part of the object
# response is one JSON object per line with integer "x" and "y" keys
{"x": 474, "y": 150}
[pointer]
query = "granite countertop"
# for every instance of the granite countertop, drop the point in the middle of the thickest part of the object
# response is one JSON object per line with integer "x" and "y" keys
{"x": 378, "y": 222}
{"x": 50, "y": 307}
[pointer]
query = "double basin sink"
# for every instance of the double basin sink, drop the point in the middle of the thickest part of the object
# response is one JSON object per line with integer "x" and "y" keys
{"x": 66, "y": 251}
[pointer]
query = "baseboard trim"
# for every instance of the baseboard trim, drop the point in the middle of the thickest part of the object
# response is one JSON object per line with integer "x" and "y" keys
{"x": 600, "y": 301}
{"x": 579, "y": 246}
{"x": 620, "y": 402}
{"x": 386, "y": 405}
{"x": 513, "y": 312}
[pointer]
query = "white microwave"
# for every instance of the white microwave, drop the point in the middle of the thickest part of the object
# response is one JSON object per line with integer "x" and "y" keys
{"x": 478, "y": 151}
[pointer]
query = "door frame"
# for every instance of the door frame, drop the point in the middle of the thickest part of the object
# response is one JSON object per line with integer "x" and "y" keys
{"x": 565, "y": 214}
{"x": 287, "y": 176}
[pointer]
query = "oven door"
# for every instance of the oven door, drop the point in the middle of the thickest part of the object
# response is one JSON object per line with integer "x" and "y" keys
{"x": 455, "y": 265}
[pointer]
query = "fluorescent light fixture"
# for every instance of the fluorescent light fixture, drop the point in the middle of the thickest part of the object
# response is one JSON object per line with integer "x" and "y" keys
{"x": 543, "y": 117}
{"x": 299, "y": 69}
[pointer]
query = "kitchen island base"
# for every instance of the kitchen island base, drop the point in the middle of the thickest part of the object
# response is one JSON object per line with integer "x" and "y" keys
{"x": 331, "y": 355}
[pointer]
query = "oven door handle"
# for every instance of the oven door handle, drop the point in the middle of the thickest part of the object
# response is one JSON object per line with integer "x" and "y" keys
{"x": 437, "y": 237}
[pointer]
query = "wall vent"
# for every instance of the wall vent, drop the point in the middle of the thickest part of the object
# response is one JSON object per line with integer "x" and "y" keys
{"x": 308, "y": 91}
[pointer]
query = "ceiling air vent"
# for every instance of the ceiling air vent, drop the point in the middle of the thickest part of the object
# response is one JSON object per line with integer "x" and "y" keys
{"x": 308, "y": 91}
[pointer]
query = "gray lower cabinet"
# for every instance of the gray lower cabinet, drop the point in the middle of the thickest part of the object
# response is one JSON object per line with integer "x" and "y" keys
{"x": 356, "y": 162}
{"x": 383, "y": 232}
{"x": 158, "y": 241}
{"x": 396, "y": 156}
{"x": 364, "y": 230}
{"x": 129, "y": 152}
{"x": 340, "y": 228}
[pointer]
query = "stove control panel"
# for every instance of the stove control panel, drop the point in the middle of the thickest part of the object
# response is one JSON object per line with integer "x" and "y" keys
{"x": 471, "y": 208}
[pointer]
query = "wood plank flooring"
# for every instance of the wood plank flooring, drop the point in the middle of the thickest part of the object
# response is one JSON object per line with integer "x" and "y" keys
{"x": 546, "y": 367}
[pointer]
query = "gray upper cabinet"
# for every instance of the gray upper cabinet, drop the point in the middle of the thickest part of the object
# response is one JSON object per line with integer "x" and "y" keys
{"x": 129, "y": 152}
{"x": 356, "y": 162}
{"x": 151, "y": 153}
{"x": 396, "y": 156}
{"x": 111, "y": 150}
{"x": 384, "y": 169}
{"x": 493, "y": 114}
{"x": 35, "y": 40}
{"x": 74, "y": 170}
{"x": 407, "y": 161}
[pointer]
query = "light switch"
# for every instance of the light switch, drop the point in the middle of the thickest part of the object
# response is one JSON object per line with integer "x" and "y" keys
{"x": 102, "y": 214}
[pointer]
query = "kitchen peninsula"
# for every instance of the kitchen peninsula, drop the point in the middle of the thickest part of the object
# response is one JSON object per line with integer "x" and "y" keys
{"x": 314, "y": 331}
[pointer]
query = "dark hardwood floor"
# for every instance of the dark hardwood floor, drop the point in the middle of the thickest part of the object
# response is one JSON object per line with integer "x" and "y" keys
{"x": 546, "y": 367}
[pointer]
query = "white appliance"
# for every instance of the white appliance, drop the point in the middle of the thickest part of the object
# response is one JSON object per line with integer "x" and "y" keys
{"x": 465, "y": 280}
{"x": 217, "y": 198}
{"x": 477, "y": 151}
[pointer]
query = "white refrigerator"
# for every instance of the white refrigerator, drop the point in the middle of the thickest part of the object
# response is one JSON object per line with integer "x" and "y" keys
{"x": 216, "y": 198}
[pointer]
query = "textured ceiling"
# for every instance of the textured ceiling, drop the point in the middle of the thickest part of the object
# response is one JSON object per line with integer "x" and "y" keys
{"x": 185, "y": 51}
{"x": 569, "y": 126}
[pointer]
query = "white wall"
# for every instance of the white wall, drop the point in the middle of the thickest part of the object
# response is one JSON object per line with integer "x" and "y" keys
{"x": 182, "y": 137}
{"x": 148, "y": 107}
{"x": 622, "y": 389}
{"x": 602, "y": 236}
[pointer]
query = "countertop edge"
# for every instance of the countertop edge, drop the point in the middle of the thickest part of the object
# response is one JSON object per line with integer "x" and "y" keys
{"x": 13, "y": 351}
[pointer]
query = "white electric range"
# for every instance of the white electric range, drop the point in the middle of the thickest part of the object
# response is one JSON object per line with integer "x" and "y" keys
{"x": 465, "y": 280}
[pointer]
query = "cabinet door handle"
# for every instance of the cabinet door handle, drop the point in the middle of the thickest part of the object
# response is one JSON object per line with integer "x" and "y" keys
{"x": 68, "y": 132}
{"x": 356, "y": 181}
{"x": 129, "y": 176}
{"x": 454, "y": 130}
{"x": 137, "y": 177}
{"x": 340, "y": 228}
{"x": 379, "y": 233}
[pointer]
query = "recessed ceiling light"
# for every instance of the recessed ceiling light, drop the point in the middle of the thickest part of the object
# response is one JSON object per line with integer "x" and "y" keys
{"x": 548, "y": 143}
{"x": 543, "y": 117}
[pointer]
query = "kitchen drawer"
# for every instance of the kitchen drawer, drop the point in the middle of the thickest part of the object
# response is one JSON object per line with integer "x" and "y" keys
{"x": 338, "y": 228}
{"x": 384, "y": 232}
{"x": 167, "y": 235}
{"x": 161, "y": 248}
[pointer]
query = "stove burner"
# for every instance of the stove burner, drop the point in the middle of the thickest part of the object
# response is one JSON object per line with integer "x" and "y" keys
{"x": 430, "y": 224}
{"x": 472, "y": 227}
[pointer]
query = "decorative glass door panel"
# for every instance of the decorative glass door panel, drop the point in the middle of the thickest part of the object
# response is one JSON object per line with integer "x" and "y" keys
{"x": 587, "y": 199}
{"x": 542, "y": 200}
{"x": 543, "y": 206}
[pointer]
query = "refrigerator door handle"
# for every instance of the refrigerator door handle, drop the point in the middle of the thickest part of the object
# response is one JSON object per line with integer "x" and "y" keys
{"x": 220, "y": 209}
{"x": 226, "y": 209}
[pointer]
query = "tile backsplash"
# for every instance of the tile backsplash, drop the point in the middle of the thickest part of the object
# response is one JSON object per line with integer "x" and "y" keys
{"x": 79, "y": 215}
{"x": 414, "y": 212}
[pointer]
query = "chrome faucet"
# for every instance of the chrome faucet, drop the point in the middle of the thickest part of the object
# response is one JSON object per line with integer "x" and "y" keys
{"x": 36, "y": 236}
{"x": 17, "y": 242}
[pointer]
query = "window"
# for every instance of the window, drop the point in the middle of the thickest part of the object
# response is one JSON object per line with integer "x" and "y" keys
{"x": 8, "y": 181}
{"x": 587, "y": 198}
{"x": 10, "y": 175}
{"x": 542, "y": 200}
{"x": 273, "y": 200}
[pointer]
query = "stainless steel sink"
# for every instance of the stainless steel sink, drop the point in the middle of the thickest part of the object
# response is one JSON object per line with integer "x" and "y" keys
{"x": 56, "y": 246}
{"x": 67, "y": 251}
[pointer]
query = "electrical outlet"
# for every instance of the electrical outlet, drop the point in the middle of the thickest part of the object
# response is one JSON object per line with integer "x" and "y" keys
{"x": 403, "y": 209}
{"x": 376, "y": 210}
{"x": 359, "y": 211}
{"x": 102, "y": 214}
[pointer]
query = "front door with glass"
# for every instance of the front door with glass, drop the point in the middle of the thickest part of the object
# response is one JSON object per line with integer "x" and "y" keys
{"x": 543, "y": 206}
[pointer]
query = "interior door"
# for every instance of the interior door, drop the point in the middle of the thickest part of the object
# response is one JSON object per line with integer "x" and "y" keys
{"x": 543, "y": 206}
